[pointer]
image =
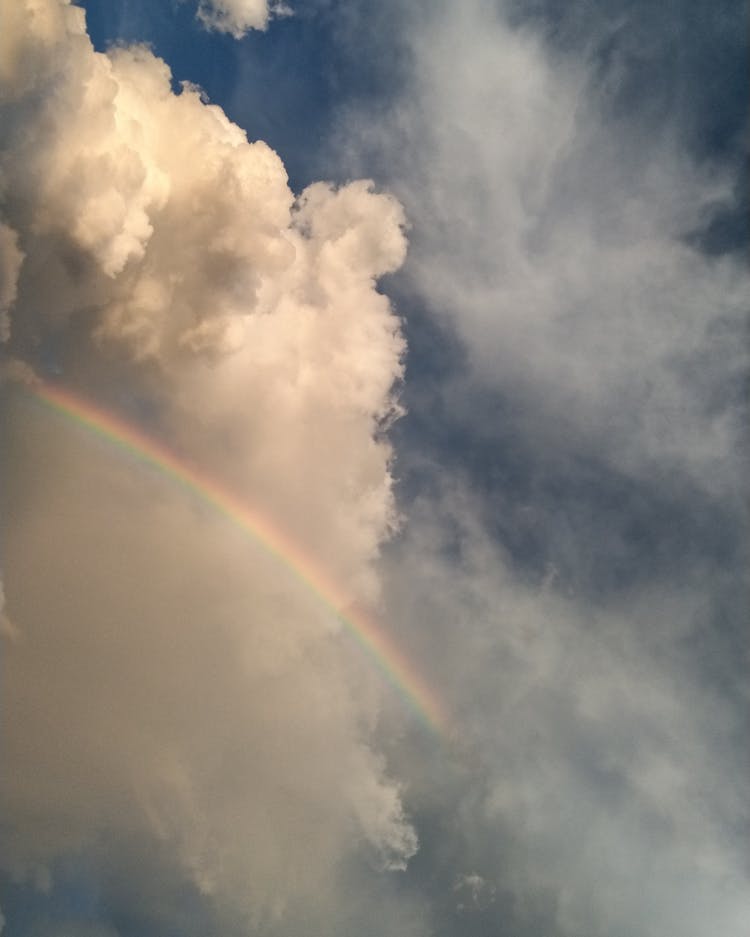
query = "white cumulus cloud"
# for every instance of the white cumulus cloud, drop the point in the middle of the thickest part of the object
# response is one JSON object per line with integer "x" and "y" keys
{"x": 175, "y": 685}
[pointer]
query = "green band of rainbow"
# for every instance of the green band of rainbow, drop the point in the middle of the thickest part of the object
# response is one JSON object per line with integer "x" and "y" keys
{"x": 371, "y": 636}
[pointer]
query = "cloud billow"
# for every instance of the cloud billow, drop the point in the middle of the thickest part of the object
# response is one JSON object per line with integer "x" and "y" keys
{"x": 235, "y": 17}
{"x": 167, "y": 682}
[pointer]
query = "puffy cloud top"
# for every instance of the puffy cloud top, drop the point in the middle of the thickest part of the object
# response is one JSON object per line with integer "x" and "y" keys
{"x": 167, "y": 683}
{"x": 235, "y": 17}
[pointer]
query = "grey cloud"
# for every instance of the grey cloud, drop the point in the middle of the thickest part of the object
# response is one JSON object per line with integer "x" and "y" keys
{"x": 593, "y": 771}
{"x": 584, "y": 609}
{"x": 555, "y": 240}
{"x": 10, "y": 264}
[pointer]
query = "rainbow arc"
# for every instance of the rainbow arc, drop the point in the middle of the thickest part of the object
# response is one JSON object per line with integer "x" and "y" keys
{"x": 370, "y": 635}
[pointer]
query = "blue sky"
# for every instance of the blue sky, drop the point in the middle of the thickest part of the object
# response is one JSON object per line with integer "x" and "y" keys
{"x": 499, "y": 392}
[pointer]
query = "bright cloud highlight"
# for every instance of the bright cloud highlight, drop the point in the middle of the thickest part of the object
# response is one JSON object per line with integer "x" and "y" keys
{"x": 172, "y": 689}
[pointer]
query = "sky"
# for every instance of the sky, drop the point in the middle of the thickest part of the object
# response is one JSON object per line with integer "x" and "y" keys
{"x": 373, "y": 393}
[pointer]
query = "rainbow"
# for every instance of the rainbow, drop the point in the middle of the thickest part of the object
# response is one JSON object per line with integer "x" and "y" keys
{"x": 251, "y": 520}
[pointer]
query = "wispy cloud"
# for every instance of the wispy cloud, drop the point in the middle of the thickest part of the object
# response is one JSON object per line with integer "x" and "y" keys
{"x": 573, "y": 566}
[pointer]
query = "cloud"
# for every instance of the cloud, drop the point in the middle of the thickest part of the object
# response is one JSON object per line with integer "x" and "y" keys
{"x": 472, "y": 892}
{"x": 176, "y": 691}
{"x": 559, "y": 241}
{"x": 573, "y": 570}
{"x": 236, "y": 17}
{"x": 594, "y": 782}
{"x": 10, "y": 258}
{"x": 8, "y": 630}
{"x": 569, "y": 560}
{"x": 52, "y": 928}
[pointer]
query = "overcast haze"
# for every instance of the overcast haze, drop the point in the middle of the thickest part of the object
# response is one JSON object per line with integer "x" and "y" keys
{"x": 456, "y": 294}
